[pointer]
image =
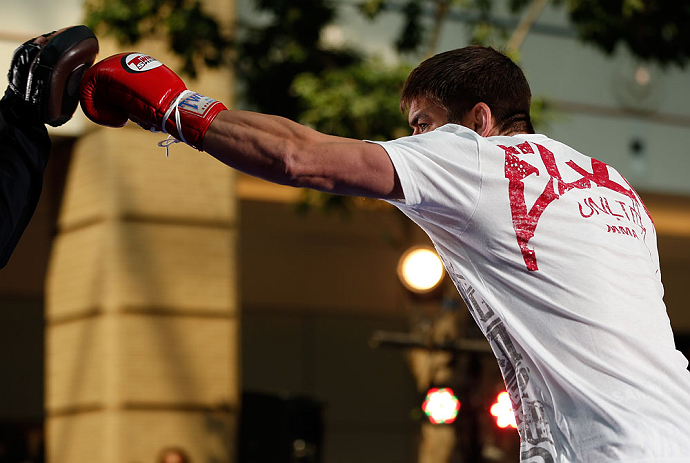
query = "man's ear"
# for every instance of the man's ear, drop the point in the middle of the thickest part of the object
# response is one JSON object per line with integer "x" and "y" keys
{"x": 480, "y": 119}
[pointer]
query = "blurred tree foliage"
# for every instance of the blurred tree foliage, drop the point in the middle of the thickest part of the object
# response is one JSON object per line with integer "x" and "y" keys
{"x": 653, "y": 30}
{"x": 284, "y": 43}
{"x": 191, "y": 33}
{"x": 360, "y": 101}
{"x": 416, "y": 33}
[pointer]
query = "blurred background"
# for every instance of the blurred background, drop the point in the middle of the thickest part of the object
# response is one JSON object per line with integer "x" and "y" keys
{"x": 169, "y": 309}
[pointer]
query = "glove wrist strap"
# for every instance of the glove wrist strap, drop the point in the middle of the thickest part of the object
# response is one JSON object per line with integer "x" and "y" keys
{"x": 191, "y": 113}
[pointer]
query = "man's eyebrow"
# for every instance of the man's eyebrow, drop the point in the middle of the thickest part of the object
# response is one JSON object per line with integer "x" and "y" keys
{"x": 415, "y": 119}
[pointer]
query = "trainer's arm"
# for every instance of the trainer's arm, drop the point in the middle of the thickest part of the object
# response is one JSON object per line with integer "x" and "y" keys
{"x": 24, "y": 152}
{"x": 282, "y": 151}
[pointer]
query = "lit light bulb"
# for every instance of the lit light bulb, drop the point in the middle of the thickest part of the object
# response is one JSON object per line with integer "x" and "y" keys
{"x": 503, "y": 411}
{"x": 441, "y": 405}
{"x": 420, "y": 269}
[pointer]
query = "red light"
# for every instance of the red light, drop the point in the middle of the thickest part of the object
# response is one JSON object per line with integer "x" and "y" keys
{"x": 503, "y": 411}
{"x": 441, "y": 405}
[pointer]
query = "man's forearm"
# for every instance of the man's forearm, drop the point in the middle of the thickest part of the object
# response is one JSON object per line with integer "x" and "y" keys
{"x": 282, "y": 151}
{"x": 261, "y": 145}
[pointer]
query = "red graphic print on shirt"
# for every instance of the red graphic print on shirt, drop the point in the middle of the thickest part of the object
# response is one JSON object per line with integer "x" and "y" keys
{"x": 517, "y": 169}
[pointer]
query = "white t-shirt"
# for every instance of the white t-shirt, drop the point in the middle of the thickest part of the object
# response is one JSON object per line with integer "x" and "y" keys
{"x": 556, "y": 258}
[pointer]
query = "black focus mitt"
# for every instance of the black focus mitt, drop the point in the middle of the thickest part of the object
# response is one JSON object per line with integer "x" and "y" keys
{"x": 47, "y": 75}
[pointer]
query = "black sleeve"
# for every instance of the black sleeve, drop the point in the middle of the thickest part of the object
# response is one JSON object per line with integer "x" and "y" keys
{"x": 24, "y": 152}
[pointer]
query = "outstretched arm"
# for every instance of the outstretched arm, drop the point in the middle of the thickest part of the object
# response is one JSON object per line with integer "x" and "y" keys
{"x": 282, "y": 151}
{"x": 137, "y": 87}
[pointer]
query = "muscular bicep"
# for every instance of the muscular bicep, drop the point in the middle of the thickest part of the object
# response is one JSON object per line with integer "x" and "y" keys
{"x": 347, "y": 167}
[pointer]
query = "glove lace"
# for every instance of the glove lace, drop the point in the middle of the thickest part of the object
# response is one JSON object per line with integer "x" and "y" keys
{"x": 178, "y": 124}
{"x": 166, "y": 144}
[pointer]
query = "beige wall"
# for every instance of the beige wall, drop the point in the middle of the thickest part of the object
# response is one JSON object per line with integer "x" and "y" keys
{"x": 141, "y": 296}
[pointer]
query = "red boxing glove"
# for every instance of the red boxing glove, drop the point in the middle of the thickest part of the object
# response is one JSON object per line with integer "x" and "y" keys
{"x": 137, "y": 87}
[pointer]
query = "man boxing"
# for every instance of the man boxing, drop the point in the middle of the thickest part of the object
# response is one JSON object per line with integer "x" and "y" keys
{"x": 553, "y": 252}
{"x": 43, "y": 88}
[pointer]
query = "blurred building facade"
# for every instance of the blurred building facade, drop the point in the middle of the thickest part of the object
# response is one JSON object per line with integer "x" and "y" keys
{"x": 162, "y": 288}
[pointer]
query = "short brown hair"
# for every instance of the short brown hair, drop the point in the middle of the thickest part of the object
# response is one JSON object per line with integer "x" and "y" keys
{"x": 461, "y": 78}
